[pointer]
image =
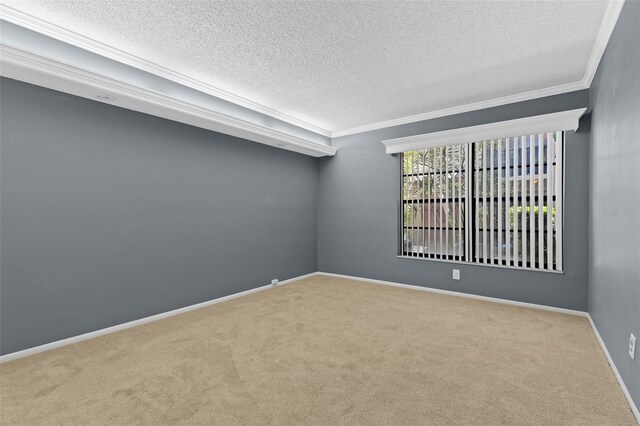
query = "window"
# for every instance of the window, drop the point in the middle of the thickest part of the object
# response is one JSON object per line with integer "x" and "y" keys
{"x": 496, "y": 202}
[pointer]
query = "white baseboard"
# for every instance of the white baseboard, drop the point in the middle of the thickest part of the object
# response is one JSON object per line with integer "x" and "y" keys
{"x": 459, "y": 294}
{"x": 124, "y": 326}
{"x": 146, "y": 320}
{"x": 627, "y": 395}
{"x": 616, "y": 373}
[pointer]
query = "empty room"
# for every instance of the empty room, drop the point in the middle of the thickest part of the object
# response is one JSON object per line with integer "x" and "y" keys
{"x": 319, "y": 212}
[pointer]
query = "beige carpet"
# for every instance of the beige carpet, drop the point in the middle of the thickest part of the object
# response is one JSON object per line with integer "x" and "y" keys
{"x": 326, "y": 351}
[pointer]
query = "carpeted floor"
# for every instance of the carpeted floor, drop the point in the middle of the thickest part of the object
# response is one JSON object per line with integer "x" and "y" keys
{"x": 326, "y": 351}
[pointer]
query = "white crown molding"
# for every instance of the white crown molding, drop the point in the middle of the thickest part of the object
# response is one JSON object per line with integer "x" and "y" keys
{"x": 35, "y": 24}
{"x": 141, "y": 321}
{"x": 74, "y": 80}
{"x": 565, "y": 120}
{"x": 505, "y": 100}
{"x": 604, "y": 34}
{"x": 43, "y": 27}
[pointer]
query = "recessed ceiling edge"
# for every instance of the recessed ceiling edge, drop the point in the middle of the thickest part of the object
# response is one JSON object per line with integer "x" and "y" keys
{"x": 35, "y": 24}
{"x": 36, "y": 69}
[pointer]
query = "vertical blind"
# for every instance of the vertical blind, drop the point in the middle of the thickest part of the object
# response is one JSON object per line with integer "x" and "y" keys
{"x": 495, "y": 202}
{"x": 434, "y": 208}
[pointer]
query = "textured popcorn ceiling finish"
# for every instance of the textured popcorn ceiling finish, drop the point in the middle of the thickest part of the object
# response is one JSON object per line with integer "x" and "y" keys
{"x": 339, "y": 65}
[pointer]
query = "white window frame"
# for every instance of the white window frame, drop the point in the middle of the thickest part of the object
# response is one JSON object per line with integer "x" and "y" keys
{"x": 499, "y": 132}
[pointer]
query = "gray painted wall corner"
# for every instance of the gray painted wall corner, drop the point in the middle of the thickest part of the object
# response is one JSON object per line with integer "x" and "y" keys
{"x": 109, "y": 215}
{"x": 614, "y": 223}
{"x": 358, "y": 216}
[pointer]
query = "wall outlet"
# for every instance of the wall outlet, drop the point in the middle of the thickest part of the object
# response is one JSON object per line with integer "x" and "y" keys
{"x": 274, "y": 282}
{"x": 456, "y": 274}
{"x": 632, "y": 346}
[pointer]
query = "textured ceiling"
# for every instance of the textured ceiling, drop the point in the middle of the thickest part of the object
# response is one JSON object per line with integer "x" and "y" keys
{"x": 339, "y": 65}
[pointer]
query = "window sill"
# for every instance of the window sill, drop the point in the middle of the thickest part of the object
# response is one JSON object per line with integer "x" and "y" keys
{"x": 459, "y": 262}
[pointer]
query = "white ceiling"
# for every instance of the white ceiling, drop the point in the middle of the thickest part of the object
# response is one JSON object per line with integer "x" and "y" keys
{"x": 340, "y": 65}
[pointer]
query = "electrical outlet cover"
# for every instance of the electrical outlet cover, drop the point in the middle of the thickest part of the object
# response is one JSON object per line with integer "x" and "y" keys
{"x": 632, "y": 346}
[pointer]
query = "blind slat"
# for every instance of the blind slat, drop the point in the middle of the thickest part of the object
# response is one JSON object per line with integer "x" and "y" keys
{"x": 491, "y": 202}
{"x": 550, "y": 204}
{"x": 434, "y": 152}
{"x": 500, "y": 182}
{"x": 507, "y": 209}
{"x": 532, "y": 207}
{"x": 541, "y": 204}
{"x": 460, "y": 190}
{"x": 516, "y": 203}
{"x": 484, "y": 205}
{"x": 559, "y": 197}
{"x": 523, "y": 169}
{"x": 477, "y": 202}
{"x": 446, "y": 196}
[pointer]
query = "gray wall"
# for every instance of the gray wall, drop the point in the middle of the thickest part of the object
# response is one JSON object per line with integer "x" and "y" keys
{"x": 109, "y": 215}
{"x": 614, "y": 228}
{"x": 358, "y": 217}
